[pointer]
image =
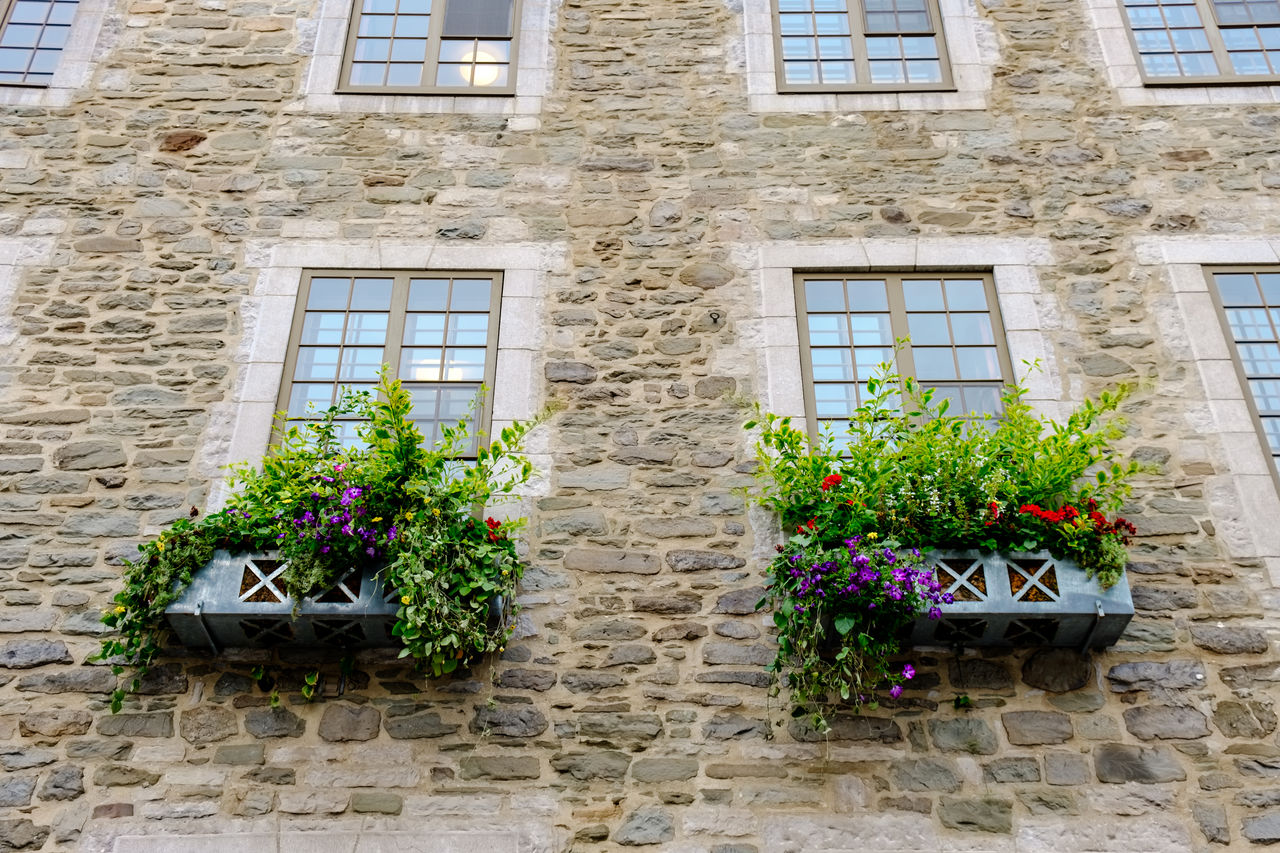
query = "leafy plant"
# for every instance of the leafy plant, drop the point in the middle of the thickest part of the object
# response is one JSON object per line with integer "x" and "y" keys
{"x": 839, "y": 605}
{"x": 907, "y": 471}
{"x": 390, "y": 503}
{"x": 911, "y": 471}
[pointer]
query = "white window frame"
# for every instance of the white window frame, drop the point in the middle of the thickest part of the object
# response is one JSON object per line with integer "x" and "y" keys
{"x": 1115, "y": 52}
{"x": 75, "y": 63}
{"x": 971, "y": 49}
{"x": 1242, "y": 498}
{"x": 240, "y": 429}
{"x": 325, "y": 39}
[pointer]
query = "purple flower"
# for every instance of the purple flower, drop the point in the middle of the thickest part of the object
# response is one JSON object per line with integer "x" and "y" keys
{"x": 895, "y": 691}
{"x": 935, "y": 613}
{"x": 370, "y": 551}
{"x": 908, "y": 672}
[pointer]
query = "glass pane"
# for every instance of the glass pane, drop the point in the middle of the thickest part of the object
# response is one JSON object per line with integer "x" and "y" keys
{"x": 328, "y": 294}
{"x": 800, "y": 48}
{"x": 871, "y": 329}
{"x": 1249, "y": 63}
{"x": 322, "y": 328}
{"x": 62, "y": 14}
{"x": 413, "y": 26}
{"x": 972, "y": 329}
{"x": 372, "y": 294}
{"x": 1266, "y": 393}
{"x": 966, "y": 295}
{"x": 409, "y": 50}
{"x": 317, "y": 363}
{"x": 53, "y": 40}
{"x": 420, "y": 364}
{"x": 471, "y": 330}
{"x": 983, "y": 399}
{"x": 837, "y": 72}
{"x": 801, "y": 73}
{"x": 404, "y": 75}
{"x": 367, "y": 329}
{"x": 20, "y": 35}
{"x": 308, "y": 397}
{"x": 1190, "y": 40}
{"x": 978, "y": 363}
{"x": 829, "y": 330}
{"x": 835, "y": 401}
{"x": 1237, "y": 288}
{"x": 385, "y": 7}
{"x": 25, "y": 12}
{"x": 831, "y": 25}
{"x": 913, "y": 22}
{"x": 832, "y": 48}
{"x": 428, "y": 294}
{"x": 923, "y": 295}
{"x": 924, "y": 71}
{"x": 1270, "y": 282}
{"x": 868, "y": 359}
{"x": 1260, "y": 359}
{"x": 471, "y": 294}
{"x": 1250, "y": 324}
{"x": 360, "y": 364}
{"x": 888, "y": 71}
{"x": 934, "y": 363}
{"x": 1231, "y": 13}
{"x": 43, "y": 62}
{"x": 928, "y": 329}
{"x": 883, "y": 48}
{"x": 824, "y": 296}
{"x": 920, "y": 47}
{"x": 461, "y": 365}
{"x": 376, "y": 26}
{"x": 1154, "y": 41}
{"x": 796, "y": 25}
{"x": 478, "y": 17}
{"x": 367, "y": 75}
{"x": 424, "y": 330}
{"x": 832, "y": 365}
{"x": 868, "y": 295}
{"x": 371, "y": 50}
{"x": 1271, "y": 426}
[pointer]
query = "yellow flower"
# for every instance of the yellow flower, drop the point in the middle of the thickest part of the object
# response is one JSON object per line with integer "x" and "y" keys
{"x": 436, "y": 511}
{"x": 873, "y": 535}
{"x": 404, "y": 599}
{"x": 409, "y": 516}
{"x": 159, "y": 546}
{"x": 121, "y": 609}
{"x": 377, "y": 518}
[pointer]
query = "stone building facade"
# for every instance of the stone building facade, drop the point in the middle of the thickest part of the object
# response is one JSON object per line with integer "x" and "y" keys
{"x": 647, "y": 192}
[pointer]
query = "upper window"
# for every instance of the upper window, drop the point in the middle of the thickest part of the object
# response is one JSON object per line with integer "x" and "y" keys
{"x": 859, "y": 45}
{"x": 1206, "y": 41}
{"x": 32, "y": 36}
{"x": 431, "y": 46}
{"x": 1250, "y": 302}
{"x": 434, "y": 329}
{"x": 850, "y": 323}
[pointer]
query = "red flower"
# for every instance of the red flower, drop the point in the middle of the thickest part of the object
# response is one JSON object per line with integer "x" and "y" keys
{"x": 831, "y": 480}
{"x": 811, "y": 521}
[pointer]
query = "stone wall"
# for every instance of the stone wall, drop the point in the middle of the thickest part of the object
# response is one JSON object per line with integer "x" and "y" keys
{"x": 633, "y": 708}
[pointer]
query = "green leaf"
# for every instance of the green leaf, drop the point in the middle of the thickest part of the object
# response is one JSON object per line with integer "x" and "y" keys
{"x": 844, "y": 624}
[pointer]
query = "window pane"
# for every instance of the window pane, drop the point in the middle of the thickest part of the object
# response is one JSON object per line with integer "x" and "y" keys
{"x": 478, "y": 17}
{"x": 322, "y": 328}
{"x": 1260, "y": 359}
{"x": 978, "y": 363}
{"x": 868, "y": 359}
{"x": 463, "y": 364}
{"x": 934, "y": 363}
{"x": 928, "y": 329}
{"x": 360, "y": 364}
{"x": 824, "y": 296}
{"x": 871, "y": 329}
{"x": 828, "y": 330}
{"x": 371, "y": 294}
{"x": 468, "y": 330}
{"x": 317, "y": 363}
{"x": 972, "y": 329}
{"x": 471, "y": 294}
{"x": 428, "y": 294}
{"x": 304, "y": 398}
{"x": 367, "y": 329}
{"x": 1266, "y": 393}
{"x": 835, "y": 401}
{"x": 328, "y": 294}
{"x": 983, "y": 399}
{"x": 420, "y": 364}
{"x": 868, "y": 295}
{"x": 832, "y": 365}
{"x": 1237, "y": 289}
{"x": 966, "y": 295}
{"x": 404, "y": 74}
{"x": 923, "y": 295}
{"x": 424, "y": 329}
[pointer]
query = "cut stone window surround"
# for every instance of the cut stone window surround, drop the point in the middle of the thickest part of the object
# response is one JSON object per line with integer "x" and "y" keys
{"x": 240, "y": 429}
{"x": 971, "y": 48}
{"x": 16, "y": 255}
{"x": 1116, "y": 53}
{"x": 324, "y": 40}
{"x": 75, "y": 60}
{"x": 1241, "y": 494}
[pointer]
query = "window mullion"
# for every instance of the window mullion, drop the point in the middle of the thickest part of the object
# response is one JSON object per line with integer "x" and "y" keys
{"x": 1212, "y": 31}
{"x": 435, "y": 39}
{"x": 395, "y": 323}
{"x": 905, "y": 361}
{"x": 858, "y": 34}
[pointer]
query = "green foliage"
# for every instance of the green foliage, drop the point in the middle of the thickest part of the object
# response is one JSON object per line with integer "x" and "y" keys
{"x": 909, "y": 470}
{"x": 390, "y": 502}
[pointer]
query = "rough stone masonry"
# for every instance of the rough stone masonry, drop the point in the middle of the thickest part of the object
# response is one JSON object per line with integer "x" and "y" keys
{"x": 633, "y": 710}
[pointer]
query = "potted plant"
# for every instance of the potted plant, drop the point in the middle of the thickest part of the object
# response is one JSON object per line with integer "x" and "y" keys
{"x": 388, "y": 523}
{"x": 1008, "y": 513}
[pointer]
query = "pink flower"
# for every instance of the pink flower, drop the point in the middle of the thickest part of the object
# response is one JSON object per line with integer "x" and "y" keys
{"x": 908, "y": 672}
{"x": 895, "y": 691}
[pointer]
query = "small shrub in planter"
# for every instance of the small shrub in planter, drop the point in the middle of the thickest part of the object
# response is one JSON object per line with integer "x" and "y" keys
{"x": 389, "y": 501}
{"x": 909, "y": 474}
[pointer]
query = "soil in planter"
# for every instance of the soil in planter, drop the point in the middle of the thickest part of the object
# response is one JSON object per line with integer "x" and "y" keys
{"x": 267, "y": 594}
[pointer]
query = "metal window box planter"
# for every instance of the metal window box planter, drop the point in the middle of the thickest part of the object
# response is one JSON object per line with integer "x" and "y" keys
{"x": 1021, "y": 599}
{"x": 239, "y": 601}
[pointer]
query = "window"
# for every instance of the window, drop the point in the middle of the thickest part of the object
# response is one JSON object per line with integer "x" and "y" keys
{"x": 849, "y": 323}
{"x": 31, "y": 39}
{"x": 1250, "y": 303}
{"x": 445, "y": 47}
{"x": 1205, "y": 41}
{"x": 433, "y": 328}
{"x": 839, "y": 45}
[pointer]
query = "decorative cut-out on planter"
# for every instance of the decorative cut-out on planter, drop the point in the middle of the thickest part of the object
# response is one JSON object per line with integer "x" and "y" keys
{"x": 1022, "y": 600}
{"x": 239, "y": 601}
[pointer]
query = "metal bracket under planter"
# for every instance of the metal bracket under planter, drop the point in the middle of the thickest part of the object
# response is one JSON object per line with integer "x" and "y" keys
{"x": 1021, "y": 599}
{"x": 239, "y": 601}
